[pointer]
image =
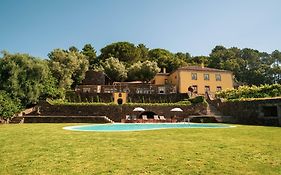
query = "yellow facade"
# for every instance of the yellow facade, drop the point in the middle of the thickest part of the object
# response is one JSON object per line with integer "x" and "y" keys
{"x": 161, "y": 79}
{"x": 199, "y": 78}
{"x": 212, "y": 84}
{"x": 120, "y": 97}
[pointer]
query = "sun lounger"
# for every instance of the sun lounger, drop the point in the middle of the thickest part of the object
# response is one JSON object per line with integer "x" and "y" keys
{"x": 144, "y": 117}
{"x": 156, "y": 117}
{"x": 162, "y": 117}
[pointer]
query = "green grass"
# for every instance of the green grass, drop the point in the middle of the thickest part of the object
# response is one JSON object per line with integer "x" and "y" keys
{"x": 48, "y": 149}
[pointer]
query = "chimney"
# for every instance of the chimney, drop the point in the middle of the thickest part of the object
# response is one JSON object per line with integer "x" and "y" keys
{"x": 164, "y": 70}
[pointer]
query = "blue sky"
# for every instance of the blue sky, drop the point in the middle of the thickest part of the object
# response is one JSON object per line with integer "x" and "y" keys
{"x": 195, "y": 26}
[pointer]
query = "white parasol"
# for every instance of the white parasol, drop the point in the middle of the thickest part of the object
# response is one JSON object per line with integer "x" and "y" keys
{"x": 139, "y": 109}
{"x": 176, "y": 110}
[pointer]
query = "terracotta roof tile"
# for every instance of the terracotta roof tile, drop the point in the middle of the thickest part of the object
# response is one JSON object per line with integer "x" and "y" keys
{"x": 198, "y": 68}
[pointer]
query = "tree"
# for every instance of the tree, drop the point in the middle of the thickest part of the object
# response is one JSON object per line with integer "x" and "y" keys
{"x": 165, "y": 59}
{"x": 8, "y": 106}
{"x": 25, "y": 78}
{"x": 143, "y": 71}
{"x": 186, "y": 57}
{"x": 68, "y": 67}
{"x": 143, "y": 52}
{"x": 124, "y": 51}
{"x": 91, "y": 55}
{"x": 276, "y": 66}
{"x": 73, "y": 49}
{"x": 199, "y": 60}
{"x": 115, "y": 69}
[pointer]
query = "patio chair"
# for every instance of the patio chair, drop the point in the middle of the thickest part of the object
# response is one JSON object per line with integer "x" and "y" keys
{"x": 156, "y": 117}
{"x": 162, "y": 117}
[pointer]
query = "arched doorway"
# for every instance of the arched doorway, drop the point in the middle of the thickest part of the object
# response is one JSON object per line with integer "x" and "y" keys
{"x": 120, "y": 101}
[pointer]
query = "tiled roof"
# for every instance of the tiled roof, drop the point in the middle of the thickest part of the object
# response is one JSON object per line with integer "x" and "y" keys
{"x": 199, "y": 68}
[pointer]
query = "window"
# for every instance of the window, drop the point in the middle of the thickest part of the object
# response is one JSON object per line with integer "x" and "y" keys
{"x": 194, "y": 76}
{"x": 207, "y": 88}
{"x": 219, "y": 88}
{"x": 206, "y": 77}
{"x": 218, "y": 77}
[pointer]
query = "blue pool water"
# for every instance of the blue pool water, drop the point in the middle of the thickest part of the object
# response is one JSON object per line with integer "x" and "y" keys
{"x": 141, "y": 126}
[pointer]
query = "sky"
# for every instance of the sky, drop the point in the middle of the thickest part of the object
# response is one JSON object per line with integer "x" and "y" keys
{"x": 37, "y": 27}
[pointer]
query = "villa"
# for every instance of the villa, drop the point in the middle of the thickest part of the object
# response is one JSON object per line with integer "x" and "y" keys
{"x": 191, "y": 79}
{"x": 196, "y": 79}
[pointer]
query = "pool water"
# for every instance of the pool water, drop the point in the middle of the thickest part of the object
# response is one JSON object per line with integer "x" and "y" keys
{"x": 141, "y": 126}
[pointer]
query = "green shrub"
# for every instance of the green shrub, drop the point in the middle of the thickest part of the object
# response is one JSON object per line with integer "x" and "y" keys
{"x": 8, "y": 106}
{"x": 196, "y": 100}
{"x": 244, "y": 92}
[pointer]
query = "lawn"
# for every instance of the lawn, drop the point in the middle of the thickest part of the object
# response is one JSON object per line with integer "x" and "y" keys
{"x": 48, "y": 149}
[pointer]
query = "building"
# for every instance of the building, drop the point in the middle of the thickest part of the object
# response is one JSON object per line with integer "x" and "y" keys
{"x": 196, "y": 79}
{"x": 164, "y": 86}
{"x": 98, "y": 82}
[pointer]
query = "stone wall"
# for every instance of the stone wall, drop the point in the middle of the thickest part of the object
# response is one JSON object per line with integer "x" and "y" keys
{"x": 252, "y": 112}
{"x": 116, "y": 113}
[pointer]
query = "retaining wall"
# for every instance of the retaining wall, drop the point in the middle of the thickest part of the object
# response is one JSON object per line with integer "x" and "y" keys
{"x": 256, "y": 112}
{"x": 115, "y": 112}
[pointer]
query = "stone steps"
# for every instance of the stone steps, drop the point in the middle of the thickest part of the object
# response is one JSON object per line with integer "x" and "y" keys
{"x": 17, "y": 120}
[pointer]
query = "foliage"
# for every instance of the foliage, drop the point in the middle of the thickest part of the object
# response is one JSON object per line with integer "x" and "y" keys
{"x": 196, "y": 100}
{"x": 63, "y": 102}
{"x": 243, "y": 92}
{"x": 165, "y": 59}
{"x": 143, "y": 71}
{"x": 115, "y": 69}
{"x": 90, "y": 53}
{"x": 26, "y": 78}
{"x": 124, "y": 51}
{"x": 68, "y": 67}
{"x": 8, "y": 106}
{"x": 248, "y": 65}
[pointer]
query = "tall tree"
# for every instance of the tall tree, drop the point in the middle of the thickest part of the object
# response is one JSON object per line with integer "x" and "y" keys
{"x": 115, "y": 69}
{"x": 165, "y": 59}
{"x": 143, "y": 71}
{"x": 26, "y": 78}
{"x": 68, "y": 67}
{"x": 143, "y": 52}
{"x": 124, "y": 51}
{"x": 90, "y": 53}
{"x": 186, "y": 57}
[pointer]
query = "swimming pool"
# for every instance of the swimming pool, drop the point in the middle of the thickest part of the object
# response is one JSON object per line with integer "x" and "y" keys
{"x": 141, "y": 126}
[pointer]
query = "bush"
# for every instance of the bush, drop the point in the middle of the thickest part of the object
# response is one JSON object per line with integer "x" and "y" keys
{"x": 8, "y": 106}
{"x": 198, "y": 99}
{"x": 244, "y": 92}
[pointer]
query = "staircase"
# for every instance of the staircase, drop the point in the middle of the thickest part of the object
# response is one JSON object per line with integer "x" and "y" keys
{"x": 108, "y": 119}
{"x": 17, "y": 120}
{"x": 212, "y": 111}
